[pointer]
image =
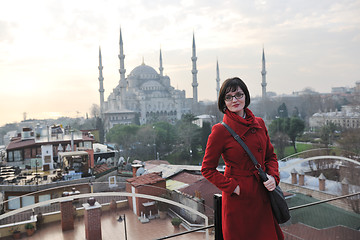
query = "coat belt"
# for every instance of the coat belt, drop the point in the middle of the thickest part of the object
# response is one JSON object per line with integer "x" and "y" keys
{"x": 231, "y": 171}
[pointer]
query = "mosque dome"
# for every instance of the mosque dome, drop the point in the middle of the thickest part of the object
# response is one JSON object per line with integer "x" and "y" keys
{"x": 144, "y": 72}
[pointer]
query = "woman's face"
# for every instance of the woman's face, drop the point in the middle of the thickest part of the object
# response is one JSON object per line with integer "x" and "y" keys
{"x": 235, "y": 101}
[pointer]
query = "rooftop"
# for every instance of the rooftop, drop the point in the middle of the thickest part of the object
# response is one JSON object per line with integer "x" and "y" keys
{"x": 147, "y": 179}
{"x": 111, "y": 229}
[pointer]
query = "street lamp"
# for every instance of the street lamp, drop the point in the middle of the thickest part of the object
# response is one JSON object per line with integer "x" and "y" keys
{"x": 120, "y": 219}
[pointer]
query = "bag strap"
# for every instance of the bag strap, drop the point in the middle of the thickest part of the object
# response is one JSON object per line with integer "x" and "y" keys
{"x": 247, "y": 150}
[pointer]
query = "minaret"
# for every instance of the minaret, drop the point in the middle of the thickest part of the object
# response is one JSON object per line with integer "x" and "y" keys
{"x": 101, "y": 89}
{"x": 161, "y": 66}
{"x": 122, "y": 71}
{"x": 263, "y": 73}
{"x": 194, "y": 73}
{"x": 217, "y": 79}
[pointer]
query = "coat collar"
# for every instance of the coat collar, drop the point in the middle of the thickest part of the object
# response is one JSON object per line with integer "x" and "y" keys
{"x": 239, "y": 124}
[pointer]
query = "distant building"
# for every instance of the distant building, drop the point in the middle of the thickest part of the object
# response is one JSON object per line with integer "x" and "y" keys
{"x": 306, "y": 91}
{"x": 204, "y": 118}
{"x": 357, "y": 87}
{"x": 341, "y": 90}
{"x": 348, "y": 117}
{"x": 40, "y": 148}
{"x": 8, "y": 136}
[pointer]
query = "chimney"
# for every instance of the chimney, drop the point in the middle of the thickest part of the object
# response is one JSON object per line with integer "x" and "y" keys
{"x": 293, "y": 176}
{"x": 301, "y": 178}
{"x": 344, "y": 187}
{"x": 322, "y": 182}
{"x": 135, "y": 167}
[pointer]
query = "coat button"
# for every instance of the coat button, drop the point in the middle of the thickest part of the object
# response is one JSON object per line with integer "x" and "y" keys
{"x": 253, "y": 130}
{"x": 260, "y": 150}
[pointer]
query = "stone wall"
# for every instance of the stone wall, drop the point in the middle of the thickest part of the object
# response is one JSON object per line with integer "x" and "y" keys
{"x": 341, "y": 203}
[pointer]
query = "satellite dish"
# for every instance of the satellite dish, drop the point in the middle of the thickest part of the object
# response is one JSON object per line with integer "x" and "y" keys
{"x": 140, "y": 171}
{"x": 121, "y": 161}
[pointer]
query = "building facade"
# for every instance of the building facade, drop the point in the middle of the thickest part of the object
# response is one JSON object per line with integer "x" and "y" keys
{"x": 39, "y": 148}
{"x": 145, "y": 95}
{"x": 348, "y": 117}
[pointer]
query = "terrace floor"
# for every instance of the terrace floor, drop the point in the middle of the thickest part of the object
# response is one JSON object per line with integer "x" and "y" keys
{"x": 111, "y": 229}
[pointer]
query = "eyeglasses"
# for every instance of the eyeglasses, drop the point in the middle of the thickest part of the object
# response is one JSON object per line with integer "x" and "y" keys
{"x": 238, "y": 96}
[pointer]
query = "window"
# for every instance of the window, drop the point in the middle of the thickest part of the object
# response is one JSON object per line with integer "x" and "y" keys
{"x": 14, "y": 202}
{"x": 43, "y": 198}
{"x": 87, "y": 145}
{"x": 10, "y": 156}
{"x": 27, "y": 200}
{"x": 18, "y": 155}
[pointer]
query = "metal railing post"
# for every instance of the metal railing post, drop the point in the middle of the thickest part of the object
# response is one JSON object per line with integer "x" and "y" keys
{"x": 217, "y": 217}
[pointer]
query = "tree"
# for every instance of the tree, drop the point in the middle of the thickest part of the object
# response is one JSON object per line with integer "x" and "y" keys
{"x": 280, "y": 141}
{"x": 213, "y": 110}
{"x": 144, "y": 145}
{"x": 124, "y": 136}
{"x": 95, "y": 111}
{"x": 188, "y": 136}
{"x": 295, "y": 112}
{"x": 350, "y": 140}
{"x": 282, "y": 111}
{"x": 292, "y": 127}
{"x": 165, "y": 137}
{"x": 327, "y": 133}
{"x": 296, "y": 128}
{"x": 100, "y": 127}
{"x": 278, "y": 136}
{"x": 205, "y": 132}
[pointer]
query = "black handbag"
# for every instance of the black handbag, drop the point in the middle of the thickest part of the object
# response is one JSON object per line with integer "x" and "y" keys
{"x": 279, "y": 206}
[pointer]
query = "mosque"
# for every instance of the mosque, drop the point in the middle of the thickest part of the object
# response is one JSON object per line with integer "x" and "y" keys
{"x": 146, "y": 96}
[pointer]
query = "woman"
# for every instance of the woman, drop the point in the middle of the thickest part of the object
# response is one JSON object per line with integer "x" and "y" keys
{"x": 246, "y": 209}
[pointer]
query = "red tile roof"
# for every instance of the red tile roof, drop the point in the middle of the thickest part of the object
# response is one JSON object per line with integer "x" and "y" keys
{"x": 206, "y": 190}
{"x": 146, "y": 179}
{"x": 100, "y": 168}
{"x": 18, "y": 143}
{"x": 187, "y": 178}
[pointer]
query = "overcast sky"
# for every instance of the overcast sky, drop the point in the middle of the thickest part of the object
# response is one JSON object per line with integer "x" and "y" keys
{"x": 49, "y": 49}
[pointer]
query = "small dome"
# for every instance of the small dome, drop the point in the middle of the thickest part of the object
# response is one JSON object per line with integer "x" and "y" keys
{"x": 144, "y": 72}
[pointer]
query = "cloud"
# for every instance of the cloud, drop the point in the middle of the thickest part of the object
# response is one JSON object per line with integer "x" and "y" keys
{"x": 51, "y": 46}
{"x": 6, "y": 36}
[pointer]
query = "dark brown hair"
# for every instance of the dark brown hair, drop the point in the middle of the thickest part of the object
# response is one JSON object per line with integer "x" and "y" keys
{"x": 231, "y": 85}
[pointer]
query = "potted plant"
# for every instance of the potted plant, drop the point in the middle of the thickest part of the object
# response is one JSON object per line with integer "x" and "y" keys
{"x": 113, "y": 205}
{"x": 30, "y": 229}
{"x": 15, "y": 232}
{"x": 176, "y": 222}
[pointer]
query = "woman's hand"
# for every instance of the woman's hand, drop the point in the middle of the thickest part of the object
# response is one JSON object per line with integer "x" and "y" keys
{"x": 270, "y": 184}
{"x": 237, "y": 190}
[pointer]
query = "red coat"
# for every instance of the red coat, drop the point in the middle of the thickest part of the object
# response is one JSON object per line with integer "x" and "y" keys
{"x": 246, "y": 216}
